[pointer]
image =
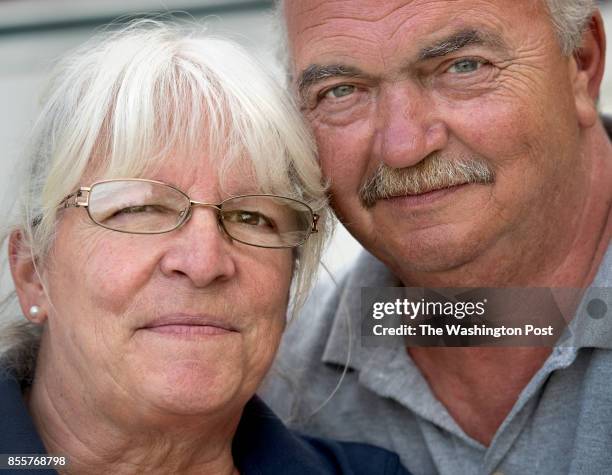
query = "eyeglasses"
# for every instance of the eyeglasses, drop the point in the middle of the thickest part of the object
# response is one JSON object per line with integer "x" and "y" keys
{"x": 139, "y": 206}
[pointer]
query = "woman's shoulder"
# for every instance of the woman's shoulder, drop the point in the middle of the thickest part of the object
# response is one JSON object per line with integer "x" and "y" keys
{"x": 264, "y": 445}
{"x": 357, "y": 458}
{"x": 18, "y": 434}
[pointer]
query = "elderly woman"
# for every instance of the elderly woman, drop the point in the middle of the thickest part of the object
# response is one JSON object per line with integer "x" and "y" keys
{"x": 170, "y": 216}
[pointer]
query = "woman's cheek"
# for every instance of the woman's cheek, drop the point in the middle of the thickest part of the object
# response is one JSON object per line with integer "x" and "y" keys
{"x": 116, "y": 273}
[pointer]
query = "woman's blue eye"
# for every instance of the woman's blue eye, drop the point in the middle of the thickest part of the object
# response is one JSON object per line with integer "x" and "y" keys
{"x": 465, "y": 66}
{"x": 340, "y": 91}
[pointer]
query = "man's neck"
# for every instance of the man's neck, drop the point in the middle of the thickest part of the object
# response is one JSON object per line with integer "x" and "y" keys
{"x": 478, "y": 386}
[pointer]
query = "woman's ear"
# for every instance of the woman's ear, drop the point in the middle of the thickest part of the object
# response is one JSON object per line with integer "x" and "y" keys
{"x": 30, "y": 291}
{"x": 589, "y": 61}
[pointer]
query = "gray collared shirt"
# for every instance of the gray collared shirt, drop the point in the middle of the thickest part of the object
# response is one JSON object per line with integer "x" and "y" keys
{"x": 561, "y": 422}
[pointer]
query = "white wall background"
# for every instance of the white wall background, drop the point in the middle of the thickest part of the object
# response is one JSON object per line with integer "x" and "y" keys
{"x": 29, "y": 43}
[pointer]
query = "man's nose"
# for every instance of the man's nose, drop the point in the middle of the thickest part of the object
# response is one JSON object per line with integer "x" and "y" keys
{"x": 408, "y": 127}
{"x": 199, "y": 251}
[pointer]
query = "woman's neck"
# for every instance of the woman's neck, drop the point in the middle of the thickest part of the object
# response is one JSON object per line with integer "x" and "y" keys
{"x": 74, "y": 424}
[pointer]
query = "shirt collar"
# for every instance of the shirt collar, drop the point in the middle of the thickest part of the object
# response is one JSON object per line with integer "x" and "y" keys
{"x": 592, "y": 324}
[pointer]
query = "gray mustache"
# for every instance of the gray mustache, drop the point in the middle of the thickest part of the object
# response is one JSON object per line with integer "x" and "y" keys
{"x": 432, "y": 173}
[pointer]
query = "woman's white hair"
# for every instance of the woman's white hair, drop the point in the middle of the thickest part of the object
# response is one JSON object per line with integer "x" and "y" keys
{"x": 126, "y": 100}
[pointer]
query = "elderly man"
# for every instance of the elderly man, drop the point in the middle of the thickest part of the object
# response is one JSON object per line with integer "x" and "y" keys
{"x": 463, "y": 148}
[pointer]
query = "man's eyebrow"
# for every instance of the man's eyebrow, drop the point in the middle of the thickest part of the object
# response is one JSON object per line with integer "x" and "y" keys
{"x": 460, "y": 40}
{"x": 317, "y": 72}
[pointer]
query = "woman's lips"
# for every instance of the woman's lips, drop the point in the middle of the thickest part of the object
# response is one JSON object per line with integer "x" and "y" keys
{"x": 189, "y": 325}
{"x": 188, "y": 330}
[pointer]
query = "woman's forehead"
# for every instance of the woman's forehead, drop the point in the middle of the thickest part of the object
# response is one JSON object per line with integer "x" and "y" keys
{"x": 232, "y": 176}
{"x": 216, "y": 173}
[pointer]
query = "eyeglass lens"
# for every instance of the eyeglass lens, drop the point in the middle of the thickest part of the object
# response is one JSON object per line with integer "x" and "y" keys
{"x": 145, "y": 207}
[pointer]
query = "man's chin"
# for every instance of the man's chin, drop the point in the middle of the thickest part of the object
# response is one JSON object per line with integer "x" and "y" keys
{"x": 436, "y": 249}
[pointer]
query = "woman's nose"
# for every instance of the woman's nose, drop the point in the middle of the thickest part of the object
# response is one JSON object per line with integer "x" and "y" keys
{"x": 199, "y": 250}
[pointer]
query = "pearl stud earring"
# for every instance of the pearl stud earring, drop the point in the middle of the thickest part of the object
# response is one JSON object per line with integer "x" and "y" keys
{"x": 34, "y": 311}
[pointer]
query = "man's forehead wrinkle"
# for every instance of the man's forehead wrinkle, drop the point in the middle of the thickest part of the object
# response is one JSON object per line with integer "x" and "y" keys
{"x": 351, "y": 11}
{"x": 340, "y": 19}
{"x": 323, "y": 23}
{"x": 333, "y": 46}
{"x": 413, "y": 12}
{"x": 308, "y": 10}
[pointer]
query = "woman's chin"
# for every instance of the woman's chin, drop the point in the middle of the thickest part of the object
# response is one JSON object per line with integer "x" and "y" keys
{"x": 191, "y": 388}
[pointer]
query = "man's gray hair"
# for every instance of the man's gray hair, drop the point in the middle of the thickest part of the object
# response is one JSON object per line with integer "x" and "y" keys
{"x": 570, "y": 19}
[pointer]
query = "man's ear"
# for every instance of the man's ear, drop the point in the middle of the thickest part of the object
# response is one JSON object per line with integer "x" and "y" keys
{"x": 30, "y": 290}
{"x": 589, "y": 61}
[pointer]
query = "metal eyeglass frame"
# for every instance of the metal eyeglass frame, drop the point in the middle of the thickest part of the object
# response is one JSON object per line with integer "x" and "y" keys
{"x": 80, "y": 199}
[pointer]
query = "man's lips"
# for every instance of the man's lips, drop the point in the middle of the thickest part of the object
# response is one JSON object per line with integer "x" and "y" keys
{"x": 189, "y": 325}
{"x": 427, "y": 196}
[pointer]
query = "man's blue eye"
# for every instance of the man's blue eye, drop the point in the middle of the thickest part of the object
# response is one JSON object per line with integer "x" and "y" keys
{"x": 340, "y": 91}
{"x": 465, "y": 66}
